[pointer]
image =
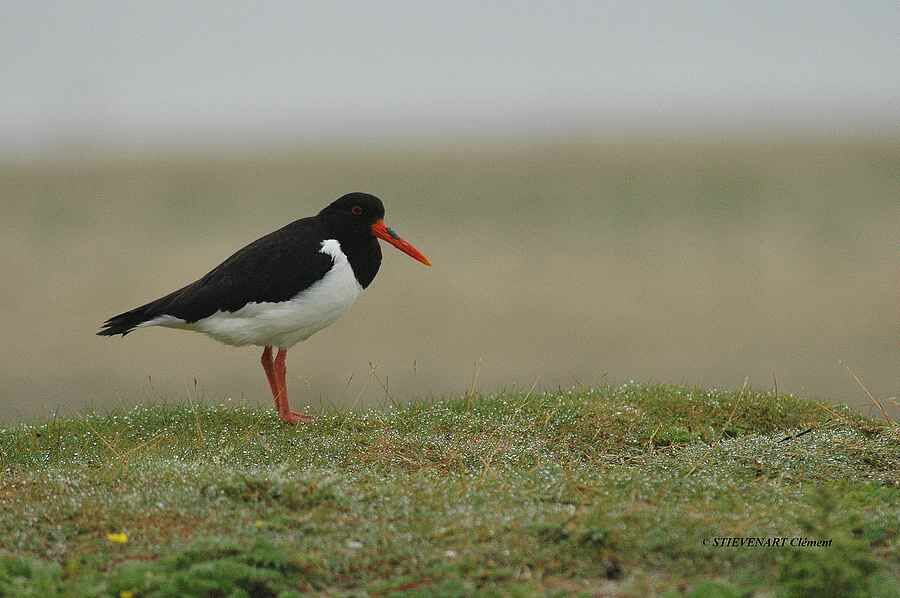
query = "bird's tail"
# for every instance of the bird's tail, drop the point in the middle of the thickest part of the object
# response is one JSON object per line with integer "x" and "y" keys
{"x": 131, "y": 319}
{"x": 124, "y": 322}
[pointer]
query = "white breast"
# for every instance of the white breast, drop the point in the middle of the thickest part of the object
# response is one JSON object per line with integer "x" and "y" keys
{"x": 286, "y": 323}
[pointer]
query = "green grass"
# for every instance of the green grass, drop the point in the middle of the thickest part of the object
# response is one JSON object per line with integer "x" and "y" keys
{"x": 610, "y": 490}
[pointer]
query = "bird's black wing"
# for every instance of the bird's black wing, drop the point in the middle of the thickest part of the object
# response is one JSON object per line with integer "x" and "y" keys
{"x": 271, "y": 269}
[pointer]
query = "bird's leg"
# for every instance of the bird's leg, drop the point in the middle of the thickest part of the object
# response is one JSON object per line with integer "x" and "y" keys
{"x": 269, "y": 368}
{"x": 284, "y": 408}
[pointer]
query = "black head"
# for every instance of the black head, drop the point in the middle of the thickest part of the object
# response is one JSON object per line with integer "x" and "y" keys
{"x": 355, "y": 211}
{"x": 359, "y": 218}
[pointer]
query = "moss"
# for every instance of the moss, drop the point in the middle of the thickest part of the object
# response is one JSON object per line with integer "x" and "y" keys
{"x": 604, "y": 490}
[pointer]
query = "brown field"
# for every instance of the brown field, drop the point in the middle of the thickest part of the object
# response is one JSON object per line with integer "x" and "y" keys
{"x": 554, "y": 265}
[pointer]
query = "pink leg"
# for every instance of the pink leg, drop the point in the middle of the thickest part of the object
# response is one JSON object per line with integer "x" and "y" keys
{"x": 269, "y": 368}
{"x": 284, "y": 408}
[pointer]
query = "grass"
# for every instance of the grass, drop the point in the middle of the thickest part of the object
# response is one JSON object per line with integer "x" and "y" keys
{"x": 622, "y": 490}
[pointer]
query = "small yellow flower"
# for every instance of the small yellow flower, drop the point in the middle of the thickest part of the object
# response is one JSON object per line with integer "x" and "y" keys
{"x": 119, "y": 538}
{"x": 126, "y": 594}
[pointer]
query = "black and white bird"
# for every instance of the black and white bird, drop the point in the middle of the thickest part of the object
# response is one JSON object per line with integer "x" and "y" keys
{"x": 282, "y": 288}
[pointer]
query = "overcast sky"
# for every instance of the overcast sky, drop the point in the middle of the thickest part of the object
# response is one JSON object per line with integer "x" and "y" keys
{"x": 162, "y": 72}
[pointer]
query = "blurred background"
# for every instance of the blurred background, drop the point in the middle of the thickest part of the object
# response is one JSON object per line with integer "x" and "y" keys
{"x": 702, "y": 193}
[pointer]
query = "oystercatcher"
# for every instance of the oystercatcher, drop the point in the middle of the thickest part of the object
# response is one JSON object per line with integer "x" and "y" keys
{"x": 282, "y": 288}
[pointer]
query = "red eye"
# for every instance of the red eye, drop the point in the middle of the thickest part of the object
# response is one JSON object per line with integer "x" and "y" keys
{"x": 356, "y": 210}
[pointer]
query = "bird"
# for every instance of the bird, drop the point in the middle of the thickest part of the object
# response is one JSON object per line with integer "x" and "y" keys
{"x": 280, "y": 289}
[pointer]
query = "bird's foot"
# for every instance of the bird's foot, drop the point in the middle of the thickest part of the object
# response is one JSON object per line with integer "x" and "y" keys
{"x": 295, "y": 417}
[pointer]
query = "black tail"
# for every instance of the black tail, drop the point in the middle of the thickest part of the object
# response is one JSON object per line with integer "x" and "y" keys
{"x": 131, "y": 319}
{"x": 126, "y": 322}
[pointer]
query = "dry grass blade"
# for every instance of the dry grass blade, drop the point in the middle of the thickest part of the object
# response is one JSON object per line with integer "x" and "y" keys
{"x": 524, "y": 401}
{"x": 389, "y": 398}
{"x": 470, "y": 394}
{"x": 147, "y": 443}
{"x": 364, "y": 388}
{"x": 200, "y": 438}
{"x": 737, "y": 403}
{"x": 104, "y": 440}
{"x": 872, "y": 398}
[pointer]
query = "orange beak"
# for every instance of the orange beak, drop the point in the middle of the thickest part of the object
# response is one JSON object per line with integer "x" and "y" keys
{"x": 382, "y": 231}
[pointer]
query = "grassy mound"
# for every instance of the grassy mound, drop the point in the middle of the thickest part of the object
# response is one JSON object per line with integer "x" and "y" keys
{"x": 629, "y": 490}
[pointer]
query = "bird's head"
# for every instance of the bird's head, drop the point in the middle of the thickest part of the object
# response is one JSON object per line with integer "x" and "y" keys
{"x": 363, "y": 214}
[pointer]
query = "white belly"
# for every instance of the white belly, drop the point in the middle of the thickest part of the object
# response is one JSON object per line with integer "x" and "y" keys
{"x": 286, "y": 323}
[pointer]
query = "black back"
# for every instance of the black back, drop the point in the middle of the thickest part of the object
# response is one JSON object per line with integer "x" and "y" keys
{"x": 273, "y": 268}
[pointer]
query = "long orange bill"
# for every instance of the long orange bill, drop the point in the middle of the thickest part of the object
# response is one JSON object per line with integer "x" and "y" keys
{"x": 382, "y": 231}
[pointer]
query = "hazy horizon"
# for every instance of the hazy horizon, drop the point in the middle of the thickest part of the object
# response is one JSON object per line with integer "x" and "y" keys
{"x": 221, "y": 75}
{"x": 555, "y": 265}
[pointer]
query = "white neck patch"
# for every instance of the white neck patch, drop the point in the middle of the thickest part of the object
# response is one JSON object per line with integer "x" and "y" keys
{"x": 332, "y": 247}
